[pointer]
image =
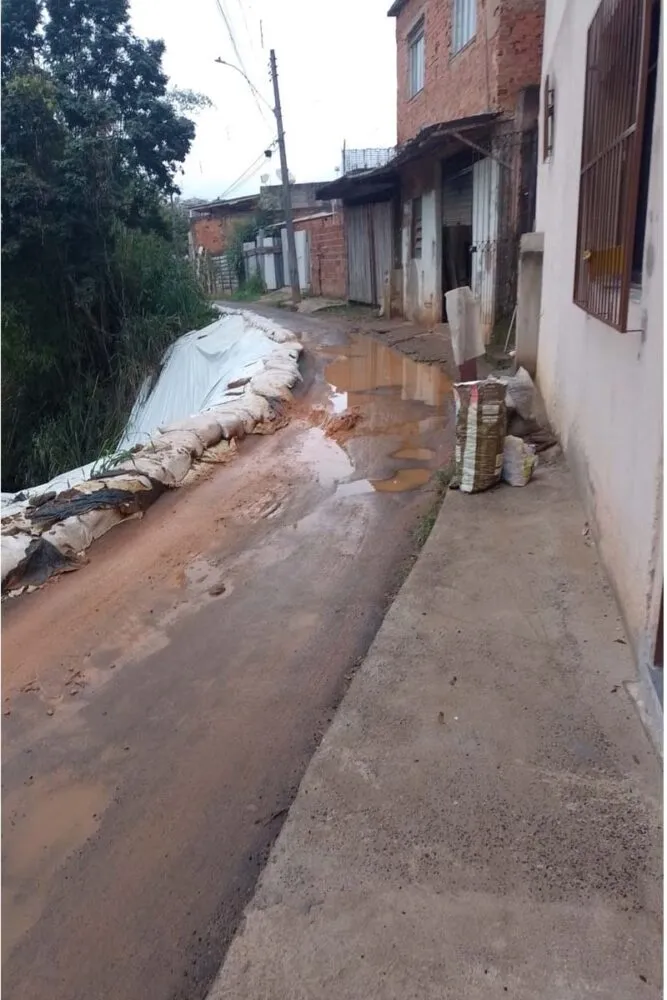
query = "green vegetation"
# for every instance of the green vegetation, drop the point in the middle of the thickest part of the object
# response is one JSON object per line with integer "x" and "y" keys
{"x": 95, "y": 281}
{"x": 441, "y": 481}
{"x": 250, "y": 290}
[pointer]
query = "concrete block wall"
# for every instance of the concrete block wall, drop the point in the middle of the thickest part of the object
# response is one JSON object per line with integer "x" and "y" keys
{"x": 328, "y": 265}
{"x": 486, "y": 75}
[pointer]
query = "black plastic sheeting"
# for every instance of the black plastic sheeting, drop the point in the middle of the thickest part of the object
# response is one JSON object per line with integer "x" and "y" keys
{"x": 42, "y": 560}
{"x": 73, "y": 502}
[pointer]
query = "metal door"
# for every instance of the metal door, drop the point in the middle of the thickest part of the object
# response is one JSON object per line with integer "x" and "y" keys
{"x": 484, "y": 240}
{"x": 359, "y": 272}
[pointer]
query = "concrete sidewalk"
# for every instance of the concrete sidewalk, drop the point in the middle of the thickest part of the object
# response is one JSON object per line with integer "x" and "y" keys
{"x": 483, "y": 817}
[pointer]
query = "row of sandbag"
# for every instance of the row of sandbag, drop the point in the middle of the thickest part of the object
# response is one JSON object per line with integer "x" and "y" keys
{"x": 485, "y": 451}
{"x": 49, "y": 533}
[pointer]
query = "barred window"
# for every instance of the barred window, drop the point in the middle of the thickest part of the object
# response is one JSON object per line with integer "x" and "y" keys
{"x": 614, "y": 156}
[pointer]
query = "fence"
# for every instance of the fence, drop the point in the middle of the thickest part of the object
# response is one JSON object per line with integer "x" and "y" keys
{"x": 366, "y": 159}
{"x": 216, "y": 274}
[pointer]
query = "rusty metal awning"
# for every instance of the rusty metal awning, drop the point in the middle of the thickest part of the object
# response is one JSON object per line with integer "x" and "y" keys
{"x": 445, "y": 138}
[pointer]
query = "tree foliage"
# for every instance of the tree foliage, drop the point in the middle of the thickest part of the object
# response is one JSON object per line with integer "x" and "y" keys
{"x": 95, "y": 284}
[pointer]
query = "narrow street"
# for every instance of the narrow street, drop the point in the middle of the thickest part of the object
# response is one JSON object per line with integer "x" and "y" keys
{"x": 162, "y": 703}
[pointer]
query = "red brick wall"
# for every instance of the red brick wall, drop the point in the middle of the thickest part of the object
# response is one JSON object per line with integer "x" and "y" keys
{"x": 519, "y": 48}
{"x": 483, "y": 76}
{"x": 327, "y": 255}
{"x": 214, "y": 234}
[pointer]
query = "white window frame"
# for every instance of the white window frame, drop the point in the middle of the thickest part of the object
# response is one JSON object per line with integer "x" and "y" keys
{"x": 464, "y": 23}
{"x": 416, "y": 59}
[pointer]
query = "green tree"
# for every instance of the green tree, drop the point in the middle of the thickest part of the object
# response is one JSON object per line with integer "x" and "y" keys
{"x": 92, "y": 140}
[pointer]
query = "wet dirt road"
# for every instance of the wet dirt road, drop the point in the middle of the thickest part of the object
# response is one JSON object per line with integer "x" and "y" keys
{"x": 162, "y": 703}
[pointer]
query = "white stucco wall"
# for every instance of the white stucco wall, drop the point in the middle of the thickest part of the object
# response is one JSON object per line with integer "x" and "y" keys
{"x": 422, "y": 283}
{"x": 603, "y": 389}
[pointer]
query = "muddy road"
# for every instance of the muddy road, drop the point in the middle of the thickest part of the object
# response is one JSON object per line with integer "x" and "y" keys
{"x": 161, "y": 703}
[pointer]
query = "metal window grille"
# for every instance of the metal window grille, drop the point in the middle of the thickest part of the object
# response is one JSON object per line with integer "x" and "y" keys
{"x": 614, "y": 103}
{"x": 416, "y": 235}
{"x": 548, "y": 121}
{"x": 465, "y": 23}
{"x": 416, "y": 58}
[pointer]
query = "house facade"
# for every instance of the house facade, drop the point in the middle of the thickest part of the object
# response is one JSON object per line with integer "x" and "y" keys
{"x": 448, "y": 208}
{"x": 600, "y": 345}
{"x": 212, "y": 225}
{"x": 468, "y": 75}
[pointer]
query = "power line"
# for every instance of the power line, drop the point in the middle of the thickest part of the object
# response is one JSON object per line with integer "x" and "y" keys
{"x": 230, "y": 32}
{"x": 248, "y": 172}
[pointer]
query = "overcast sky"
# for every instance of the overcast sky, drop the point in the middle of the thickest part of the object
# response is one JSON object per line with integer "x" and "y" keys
{"x": 336, "y": 66}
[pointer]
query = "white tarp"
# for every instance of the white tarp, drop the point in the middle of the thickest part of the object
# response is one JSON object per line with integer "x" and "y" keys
{"x": 197, "y": 370}
{"x": 215, "y": 383}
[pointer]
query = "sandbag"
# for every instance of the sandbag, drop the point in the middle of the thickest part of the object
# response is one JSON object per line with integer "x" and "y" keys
{"x": 203, "y": 425}
{"x": 13, "y": 550}
{"x": 178, "y": 438}
{"x": 271, "y": 385}
{"x": 76, "y": 534}
{"x": 519, "y": 461}
{"x": 169, "y": 466}
{"x": 481, "y": 420}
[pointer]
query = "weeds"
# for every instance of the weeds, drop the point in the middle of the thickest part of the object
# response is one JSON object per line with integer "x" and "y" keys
{"x": 250, "y": 290}
{"x": 426, "y": 523}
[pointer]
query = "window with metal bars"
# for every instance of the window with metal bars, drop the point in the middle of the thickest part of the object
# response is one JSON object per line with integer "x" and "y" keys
{"x": 464, "y": 18}
{"x": 416, "y": 231}
{"x": 416, "y": 58}
{"x": 613, "y": 146}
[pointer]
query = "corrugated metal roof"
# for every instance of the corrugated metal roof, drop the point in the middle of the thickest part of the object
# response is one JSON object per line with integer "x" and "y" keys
{"x": 424, "y": 142}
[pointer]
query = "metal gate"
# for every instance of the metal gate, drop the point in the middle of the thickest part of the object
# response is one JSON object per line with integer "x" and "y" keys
{"x": 369, "y": 250}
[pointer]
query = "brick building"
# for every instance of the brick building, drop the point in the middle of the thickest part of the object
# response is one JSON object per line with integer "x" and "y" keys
{"x": 477, "y": 57}
{"x": 212, "y": 225}
{"x": 461, "y": 187}
{"x": 326, "y": 243}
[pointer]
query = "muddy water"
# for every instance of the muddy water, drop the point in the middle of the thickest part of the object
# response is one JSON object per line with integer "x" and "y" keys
{"x": 406, "y": 430}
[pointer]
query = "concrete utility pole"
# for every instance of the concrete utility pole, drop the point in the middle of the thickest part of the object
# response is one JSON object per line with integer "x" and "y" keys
{"x": 287, "y": 194}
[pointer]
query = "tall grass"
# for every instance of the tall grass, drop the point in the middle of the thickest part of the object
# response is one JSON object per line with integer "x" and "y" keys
{"x": 65, "y": 404}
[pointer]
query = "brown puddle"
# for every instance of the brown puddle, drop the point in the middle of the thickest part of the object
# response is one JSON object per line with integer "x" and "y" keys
{"x": 406, "y": 409}
{"x": 405, "y": 479}
{"x": 417, "y": 454}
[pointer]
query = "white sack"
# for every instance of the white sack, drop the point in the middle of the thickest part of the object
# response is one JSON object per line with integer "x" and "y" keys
{"x": 464, "y": 325}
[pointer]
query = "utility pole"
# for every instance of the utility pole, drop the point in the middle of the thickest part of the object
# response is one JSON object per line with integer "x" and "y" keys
{"x": 287, "y": 194}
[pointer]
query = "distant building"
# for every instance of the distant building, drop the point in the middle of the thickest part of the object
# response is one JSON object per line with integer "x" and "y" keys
{"x": 212, "y": 224}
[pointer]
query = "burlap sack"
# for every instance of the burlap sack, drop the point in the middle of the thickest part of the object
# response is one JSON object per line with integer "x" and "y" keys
{"x": 481, "y": 425}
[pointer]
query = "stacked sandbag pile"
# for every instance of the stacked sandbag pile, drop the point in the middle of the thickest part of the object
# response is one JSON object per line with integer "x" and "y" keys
{"x": 46, "y": 531}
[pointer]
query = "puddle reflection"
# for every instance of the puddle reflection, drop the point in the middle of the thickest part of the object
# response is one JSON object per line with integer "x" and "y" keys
{"x": 407, "y": 426}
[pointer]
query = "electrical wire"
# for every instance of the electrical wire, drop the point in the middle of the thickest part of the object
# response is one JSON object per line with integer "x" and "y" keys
{"x": 249, "y": 171}
{"x": 230, "y": 32}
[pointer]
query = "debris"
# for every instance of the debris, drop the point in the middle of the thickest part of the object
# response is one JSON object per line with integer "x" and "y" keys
{"x": 49, "y": 711}
{"x": 519, "y": 461}
{"x": 480, "y": 434}
{"x": 441, "y": 718}
{"x": 337, "y": 424}
{"x": 217, "y": 589}
{"x": 519, "y": 392}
